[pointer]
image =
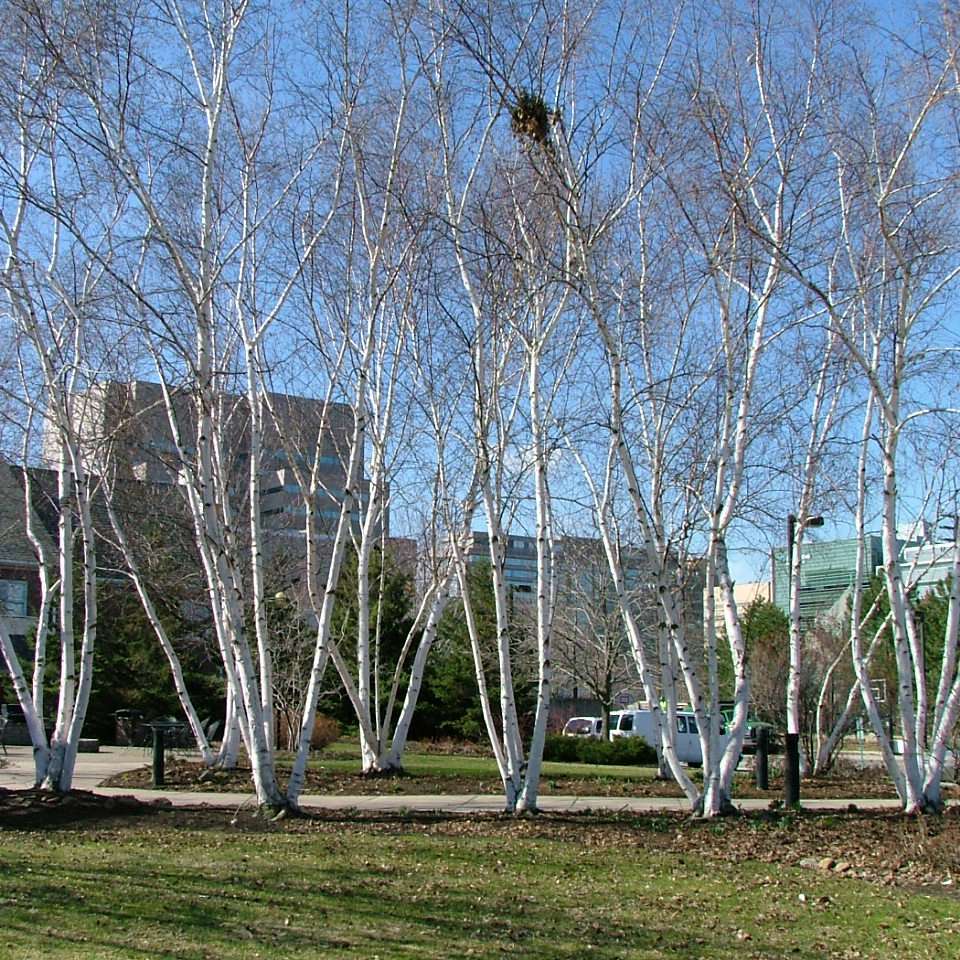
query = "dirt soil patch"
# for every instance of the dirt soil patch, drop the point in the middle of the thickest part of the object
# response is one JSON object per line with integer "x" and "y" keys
{"x": 25, "y": 809}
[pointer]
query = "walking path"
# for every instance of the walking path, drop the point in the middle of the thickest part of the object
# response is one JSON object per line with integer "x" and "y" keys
{"x": 93, "y": 768}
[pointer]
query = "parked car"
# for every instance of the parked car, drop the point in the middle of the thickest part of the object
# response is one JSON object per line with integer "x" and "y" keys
{"x": 584, "y": 727}
{"x": 751, "y": 735}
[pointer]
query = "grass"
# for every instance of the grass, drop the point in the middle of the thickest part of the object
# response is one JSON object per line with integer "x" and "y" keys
{"x": 445, "y": 765}
{"x": 464, "y": 769}
{"x": 452, "y": 768}
{"x": 427, "y": 770}
{"x": 172, "y": 886}
{"x": 343, "y": 756}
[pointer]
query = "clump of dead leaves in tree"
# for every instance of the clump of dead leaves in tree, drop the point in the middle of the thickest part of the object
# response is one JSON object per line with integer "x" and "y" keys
{"x": 531, "y": 119}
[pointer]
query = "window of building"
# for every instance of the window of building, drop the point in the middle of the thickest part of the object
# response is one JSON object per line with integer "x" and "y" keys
{"x": 13, "y": 598}
{"x": 282, "y": 488}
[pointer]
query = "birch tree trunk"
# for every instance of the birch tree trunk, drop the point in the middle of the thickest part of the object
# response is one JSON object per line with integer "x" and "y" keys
{"x": 889, "y": 338}
{"x": 57, "y": 351}
{"x": 146, "y": 600}
{"x": 211, "y": 202}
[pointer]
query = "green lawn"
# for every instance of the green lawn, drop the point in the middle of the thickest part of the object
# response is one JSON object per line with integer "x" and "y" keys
{"x": 451, "y": 765}
{"x": 344, "y": 757}
{"x": 172, "y": 887}
{"x": 466, "y": 770}
{"x": 336, "y": 770}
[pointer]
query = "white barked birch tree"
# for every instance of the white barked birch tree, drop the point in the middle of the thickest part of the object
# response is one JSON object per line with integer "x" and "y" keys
{"x": 893, "y": 203}
{"x": 199, "y": 134}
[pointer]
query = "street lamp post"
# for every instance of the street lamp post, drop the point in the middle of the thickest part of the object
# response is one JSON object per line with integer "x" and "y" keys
{"x": 791, "y": 771}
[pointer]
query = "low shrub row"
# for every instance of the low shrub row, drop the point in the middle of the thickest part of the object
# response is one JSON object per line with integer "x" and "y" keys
{"x": 624, "y": 751}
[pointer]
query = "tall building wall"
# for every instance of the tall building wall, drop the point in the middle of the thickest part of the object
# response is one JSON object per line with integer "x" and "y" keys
{"x": 583, "y": 581}
{"x": 827, "y": 572}
{"x": 926, "y": 565}
{"x": 19, "y": 577}
{"x": 519, "y": 562}
{"x": 744, "y": 594}
{"x": 128, "y": 425}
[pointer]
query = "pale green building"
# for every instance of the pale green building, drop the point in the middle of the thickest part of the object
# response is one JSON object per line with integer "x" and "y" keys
{"x": 827, "y": 572}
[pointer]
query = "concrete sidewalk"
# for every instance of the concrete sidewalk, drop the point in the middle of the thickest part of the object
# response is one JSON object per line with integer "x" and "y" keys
{"x": 93, "y": 768}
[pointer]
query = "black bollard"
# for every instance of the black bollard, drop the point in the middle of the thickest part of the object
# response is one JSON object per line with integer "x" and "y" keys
{"x": 791, "y": 770}
{"x": 762, "y": 767}
{"x": 158, "y": 756}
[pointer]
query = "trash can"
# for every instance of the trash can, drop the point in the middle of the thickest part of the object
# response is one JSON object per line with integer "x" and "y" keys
{"x": 127, "y": 722}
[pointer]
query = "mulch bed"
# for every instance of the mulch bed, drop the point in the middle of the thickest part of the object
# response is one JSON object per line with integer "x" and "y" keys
{"x": 187, "y": 775}
{"x": 24, "y": 809}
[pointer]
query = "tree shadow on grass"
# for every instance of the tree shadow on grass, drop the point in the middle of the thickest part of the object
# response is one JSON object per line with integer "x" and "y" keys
{"x": 429, "y": 905}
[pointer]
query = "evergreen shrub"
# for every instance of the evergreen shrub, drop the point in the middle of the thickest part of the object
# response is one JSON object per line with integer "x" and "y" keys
{"x": 624, "y": 751}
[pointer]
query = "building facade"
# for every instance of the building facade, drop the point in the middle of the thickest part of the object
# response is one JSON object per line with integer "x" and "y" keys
{"x": 128, "y": 425}
{"x": 19, "y": 576}
{"x": 744, "y": 594}
{"x": 828, "y": 570}
{"x": 519, "y": 563}
{"x": 925, "y": 565}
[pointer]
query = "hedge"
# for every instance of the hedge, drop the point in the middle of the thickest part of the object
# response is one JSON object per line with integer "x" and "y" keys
{"x": 624, "y": 751}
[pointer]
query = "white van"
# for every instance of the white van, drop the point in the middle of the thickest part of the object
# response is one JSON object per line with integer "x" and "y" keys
{"x": 639, "y": 723}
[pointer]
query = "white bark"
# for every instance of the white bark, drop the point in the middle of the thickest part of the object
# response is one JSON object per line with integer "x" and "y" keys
{"x": 50, "y": 325}
{"x": 176, "y": 670}
{"x": 438, "y": 604}
{"x": 664, "y": 723}
{"x": 33, "y": 718}
{"x": 822, "y": 422}
{"x": 323, "y": 608}
{"x": 826, "y": 746}
{"x": 892, "y": 286}
{"x": 192, "y": 231}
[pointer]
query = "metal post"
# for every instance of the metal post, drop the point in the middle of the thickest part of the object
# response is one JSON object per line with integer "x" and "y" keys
{"x": 791, "y": 757}
{"x": 158, "y": 746}
{"x": 791, "y": 770}
{"x": 762, "y": 767}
